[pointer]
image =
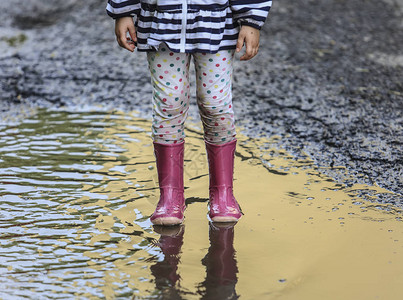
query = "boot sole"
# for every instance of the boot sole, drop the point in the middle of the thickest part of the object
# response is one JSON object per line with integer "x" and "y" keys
{"x": 219, "y": 219}
{"x": 167, "y": 221}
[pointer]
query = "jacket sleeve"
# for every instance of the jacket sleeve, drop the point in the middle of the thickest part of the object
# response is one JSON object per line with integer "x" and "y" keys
{"x": 250, "y": 12}
{"x": 123, "y": 8}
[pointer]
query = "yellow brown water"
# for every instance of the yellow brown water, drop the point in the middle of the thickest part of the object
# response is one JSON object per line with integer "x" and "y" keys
{"x": 77, "y": 189}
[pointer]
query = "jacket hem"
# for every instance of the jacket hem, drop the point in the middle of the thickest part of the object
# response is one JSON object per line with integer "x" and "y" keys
{"x": 154, "y": 48}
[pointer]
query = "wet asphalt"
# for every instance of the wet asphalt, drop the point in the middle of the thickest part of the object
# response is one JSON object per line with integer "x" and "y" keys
{"x": 327, "y": 79}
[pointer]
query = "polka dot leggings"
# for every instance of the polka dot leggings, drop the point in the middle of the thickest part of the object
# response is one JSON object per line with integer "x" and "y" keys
{"x": 171, "y": 94}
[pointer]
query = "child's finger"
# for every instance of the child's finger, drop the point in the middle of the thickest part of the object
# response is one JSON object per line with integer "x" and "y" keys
{"x": 124, "y": 43}
{"x": 248, "y": 53}
{"x": 239, "y": 43}
{"x": 132, "y": 33}
{"x": 122, "y": 38}
{"x": 252, "y": 46}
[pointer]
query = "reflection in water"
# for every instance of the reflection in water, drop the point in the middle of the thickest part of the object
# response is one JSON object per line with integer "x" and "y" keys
{"x": 220, "y": 263}
{"x": 165, "y": 272}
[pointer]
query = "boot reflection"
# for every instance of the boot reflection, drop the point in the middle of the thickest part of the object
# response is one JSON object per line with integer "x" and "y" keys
{"x": 166, "y": 271}
{"x": 220, "y": 263}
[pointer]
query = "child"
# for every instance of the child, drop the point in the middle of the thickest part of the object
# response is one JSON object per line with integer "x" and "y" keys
{"x": 172, "y": 32}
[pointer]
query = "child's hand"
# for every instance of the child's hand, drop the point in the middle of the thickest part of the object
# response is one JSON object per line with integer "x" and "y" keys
{"x": 122, "y": 26}
{"x": 249, "y": 36}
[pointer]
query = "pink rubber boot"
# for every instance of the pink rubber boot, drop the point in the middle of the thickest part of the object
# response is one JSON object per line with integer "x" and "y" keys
{"x": 223, "y": 205}
{"x": 171, "y": 205}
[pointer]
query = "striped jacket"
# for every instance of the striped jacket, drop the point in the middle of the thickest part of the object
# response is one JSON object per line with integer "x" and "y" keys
{"x": 190, "y": 25}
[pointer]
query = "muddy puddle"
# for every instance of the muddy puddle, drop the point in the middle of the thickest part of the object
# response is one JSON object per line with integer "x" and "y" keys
{"x": 77, "y": 189}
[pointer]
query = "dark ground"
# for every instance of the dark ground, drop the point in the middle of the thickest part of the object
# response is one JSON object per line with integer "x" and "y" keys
{"x": 327, "y": 79}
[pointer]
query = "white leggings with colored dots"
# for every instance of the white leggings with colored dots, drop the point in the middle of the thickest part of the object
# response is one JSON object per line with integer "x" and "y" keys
{"x": 171, "y": 94}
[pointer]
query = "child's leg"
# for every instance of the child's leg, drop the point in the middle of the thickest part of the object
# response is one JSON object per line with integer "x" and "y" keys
{"x": 170, "y": 81}
{"x": 214, "y": 95}
{"x": 169, "y": 76}
{"x": 214, "y": 98}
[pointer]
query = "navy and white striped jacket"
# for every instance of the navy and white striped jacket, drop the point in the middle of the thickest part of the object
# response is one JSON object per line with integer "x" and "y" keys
{"x": 190, "y": 25}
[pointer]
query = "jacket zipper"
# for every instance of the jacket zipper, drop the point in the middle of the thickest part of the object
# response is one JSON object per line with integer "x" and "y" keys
{"x": 184, "y": 24}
